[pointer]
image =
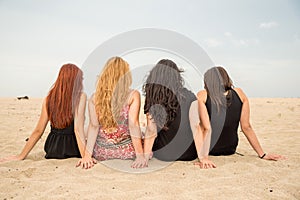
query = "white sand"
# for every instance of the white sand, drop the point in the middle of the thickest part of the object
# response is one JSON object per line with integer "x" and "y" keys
{"x": 276, "y": 122}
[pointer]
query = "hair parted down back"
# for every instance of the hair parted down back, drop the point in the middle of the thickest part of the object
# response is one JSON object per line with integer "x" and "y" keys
{"x": 112, "y": 90}
{"x": 163, "y": 87}
{"x": 216, "y": 83}
{"x": 64, "y": 96}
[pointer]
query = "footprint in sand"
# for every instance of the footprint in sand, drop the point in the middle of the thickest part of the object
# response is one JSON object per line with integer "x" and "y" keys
{"x": 28, "y": 172}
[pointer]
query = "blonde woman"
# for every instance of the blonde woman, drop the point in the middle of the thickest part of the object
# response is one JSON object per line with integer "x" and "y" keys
{"x": 114, "y": 131}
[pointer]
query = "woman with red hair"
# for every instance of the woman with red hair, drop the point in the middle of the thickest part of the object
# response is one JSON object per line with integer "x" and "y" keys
{"x": 64, "y": 107}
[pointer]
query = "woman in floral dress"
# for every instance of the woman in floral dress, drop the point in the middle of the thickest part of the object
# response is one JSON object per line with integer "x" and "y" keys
{"x": 114, "y": 131}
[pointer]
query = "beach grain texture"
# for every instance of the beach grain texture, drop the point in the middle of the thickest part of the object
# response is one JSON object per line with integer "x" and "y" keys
{"x": 276, "y": 122}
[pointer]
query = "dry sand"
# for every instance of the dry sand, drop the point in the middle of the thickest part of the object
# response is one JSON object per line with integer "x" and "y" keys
{"x": 276, "y": 122}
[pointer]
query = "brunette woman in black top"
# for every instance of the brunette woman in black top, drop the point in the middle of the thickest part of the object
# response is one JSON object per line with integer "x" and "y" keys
{"x": 169, "y": 133}
{"x": 226, "y": 107}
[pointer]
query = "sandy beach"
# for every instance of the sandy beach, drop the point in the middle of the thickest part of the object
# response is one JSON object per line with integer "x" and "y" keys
{"x": 276, "y": 122}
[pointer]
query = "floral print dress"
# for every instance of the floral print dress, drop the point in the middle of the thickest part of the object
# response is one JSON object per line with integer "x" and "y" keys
{"x": 116, "y": 144}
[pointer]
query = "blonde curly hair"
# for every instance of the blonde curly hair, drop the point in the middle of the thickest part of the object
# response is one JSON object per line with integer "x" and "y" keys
{"x": 112, "y": 90}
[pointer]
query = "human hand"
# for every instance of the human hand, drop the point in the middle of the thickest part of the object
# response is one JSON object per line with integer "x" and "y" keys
{"x": 10, "y": 158}
{"x": 140, "y": 161}
{"x": 86, "y": 162}
{"x": 274, "y": 157}
{"x": 205, "y": 163}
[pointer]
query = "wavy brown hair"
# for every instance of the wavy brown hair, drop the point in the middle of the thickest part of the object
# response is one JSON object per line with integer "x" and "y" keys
{"x": 163, "y": 87}
{"x": 216, "y": 83}
{"x": 64, "y": 96}
{"x": 112, "y": 91}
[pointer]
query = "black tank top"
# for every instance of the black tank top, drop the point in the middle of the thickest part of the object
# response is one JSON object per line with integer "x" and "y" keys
{"x": 177, "y": 142}
{"x": 61, "y": 143}
{"x": 224, "y": 138}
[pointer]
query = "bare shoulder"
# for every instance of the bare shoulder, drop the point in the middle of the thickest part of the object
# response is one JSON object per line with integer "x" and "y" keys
{"x": 202, "y": 96}
{"x": 44, "y": 101}
{"x": 241, "y": 94}
{"x": 44, "y": 104}
{"x": 91, "y": 100}
{"x": 83, "y": 95}
{"x": 134, "y": 95}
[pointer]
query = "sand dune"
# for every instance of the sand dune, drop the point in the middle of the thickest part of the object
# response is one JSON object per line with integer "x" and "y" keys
{"x": 276, "y": 122}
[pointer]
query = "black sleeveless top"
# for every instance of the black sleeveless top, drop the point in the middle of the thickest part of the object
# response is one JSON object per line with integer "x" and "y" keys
{"x": 177, "y": 142}
{"x": 224, "y": 139}
{"x": 61, "y": 143}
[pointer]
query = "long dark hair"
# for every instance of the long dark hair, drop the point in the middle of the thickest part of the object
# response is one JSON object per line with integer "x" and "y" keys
{"x": 163, "y": 91}
{"x": 64, "y": 96}
{"x": 217, "y": 82}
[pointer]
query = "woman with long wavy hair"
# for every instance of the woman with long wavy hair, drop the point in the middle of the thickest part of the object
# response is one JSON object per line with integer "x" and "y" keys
{"x": 227, "y": 107}
{"x": 64, "y": 107}
{"x": 169, "y": 132}
{"x": 114, "y": 131}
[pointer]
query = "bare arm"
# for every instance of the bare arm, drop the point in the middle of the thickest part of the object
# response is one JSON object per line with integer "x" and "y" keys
{"x": 79, "y": 124}
{"x": 150, "y": 135}
{"x": 87, "y": 161}
{"x": 134, "y": 128}
{"x": 34, "y": 137}
{"x": 204, "y": 122}
{"x": 198, "y": 134}
{"x": 92, "y": 129}
{"x": 37, "y": 133}
{"x": 200, "y": 125}
{"x": 135, "y": 131}
{"x": 247, "y": 128}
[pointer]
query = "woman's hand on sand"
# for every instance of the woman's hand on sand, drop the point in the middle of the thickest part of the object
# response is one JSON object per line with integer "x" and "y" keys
{"x": 10, "y": 158}
{"x": 205, "y": 163}
{"x": 86, "y": 162}
{"x": 274, "y": 157}
{"x": 140, "y": 161}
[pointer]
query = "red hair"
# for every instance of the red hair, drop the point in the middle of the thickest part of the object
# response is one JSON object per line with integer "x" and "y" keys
{"x": 63, "y": 98}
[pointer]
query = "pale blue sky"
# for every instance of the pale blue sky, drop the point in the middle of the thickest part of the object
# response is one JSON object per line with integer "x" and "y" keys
{"x": 258, "y": 42}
